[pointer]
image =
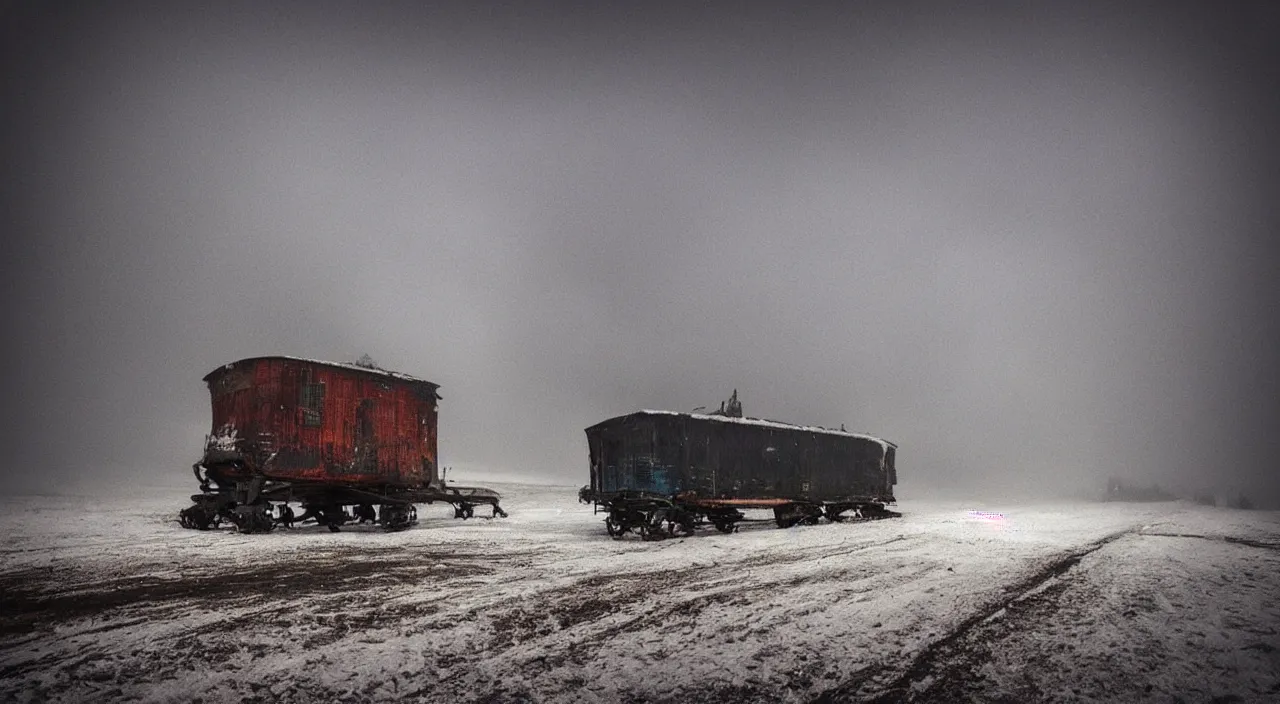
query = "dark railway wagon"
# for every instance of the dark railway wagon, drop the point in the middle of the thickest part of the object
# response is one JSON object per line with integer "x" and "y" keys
{"x": 328, "y": 435}
{"x": 659, "y": 472}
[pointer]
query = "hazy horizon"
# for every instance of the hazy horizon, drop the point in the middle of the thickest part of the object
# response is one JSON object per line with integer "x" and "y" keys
{"x": 1031, "y": 243}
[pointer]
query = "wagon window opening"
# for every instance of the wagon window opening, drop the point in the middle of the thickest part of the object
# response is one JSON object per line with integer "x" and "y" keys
{"x": 312, "y": 403}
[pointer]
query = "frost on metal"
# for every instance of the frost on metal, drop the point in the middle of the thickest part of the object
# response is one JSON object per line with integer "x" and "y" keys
{"x": 774, "y": 424}
{"x": 224, "y": 439}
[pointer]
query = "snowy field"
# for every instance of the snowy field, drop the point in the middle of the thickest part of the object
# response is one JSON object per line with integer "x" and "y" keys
{"x": 1062, "y": 602}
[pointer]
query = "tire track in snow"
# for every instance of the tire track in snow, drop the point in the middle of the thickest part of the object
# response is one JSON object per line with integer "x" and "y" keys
{"x": 546, "y": 636}
{"x": 934, "y": 658}
{"x": 31, "y": 607}
{"x": 1218, "y": 538}
{"x": 625, "y": 602}
{"x": 788, "y": 553}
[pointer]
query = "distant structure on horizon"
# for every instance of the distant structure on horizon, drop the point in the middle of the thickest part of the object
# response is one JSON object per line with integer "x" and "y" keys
{"x": 1118, "y": 490}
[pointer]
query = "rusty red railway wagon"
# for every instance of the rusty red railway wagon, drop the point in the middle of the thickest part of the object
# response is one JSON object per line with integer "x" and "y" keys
{"x": 330, "y": 436}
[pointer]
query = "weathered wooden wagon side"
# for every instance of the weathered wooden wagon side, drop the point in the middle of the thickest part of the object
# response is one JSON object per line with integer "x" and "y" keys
{"x": 685, "y": 467}
{"x": 294, "y": 419}
{"x": 326, "y": 434}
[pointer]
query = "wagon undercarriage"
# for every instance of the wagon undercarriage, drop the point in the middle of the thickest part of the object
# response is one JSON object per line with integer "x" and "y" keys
{"x": 259, "y": 504}
{"x": 654, "y": 517}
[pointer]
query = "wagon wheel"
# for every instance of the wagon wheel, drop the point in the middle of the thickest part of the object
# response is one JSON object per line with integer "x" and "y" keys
{"x": 253, "y": 518}
{"x": 784, "y": 518}
{"x": 686, "y": 523}
{"x": 661, "y": 524}
{"x": 396, "y": 518}
{"x": 198, "y": 516}
{"x": 656, "y": 525}
{"x": 625, "y": 520}
{"x": 615, "y": 531}
{"x": 326, "y": 517}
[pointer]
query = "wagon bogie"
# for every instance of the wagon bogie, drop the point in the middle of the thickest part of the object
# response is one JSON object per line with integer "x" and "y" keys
{"x": 332, "y": 517}
{"x": 629, "y": 516}
{"x": 395, "y": 517}
{"x": 202, "y": 515}
{"x": 681, "y": 521}
{"x": 253, "y": 518}
{"x": 725, "y": 519}
{"x": 797, "y": 513}
{"x": 865, "y": 510}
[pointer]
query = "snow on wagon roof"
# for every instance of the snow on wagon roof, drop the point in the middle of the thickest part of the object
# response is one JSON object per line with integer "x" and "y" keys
{"x": 769, "y": 424}
{"x": 344, "y": 365}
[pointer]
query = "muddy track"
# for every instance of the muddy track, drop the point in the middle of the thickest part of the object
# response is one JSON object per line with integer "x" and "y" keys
{"x": 789, "y": 554}
{"x": 955, "y": 673}
{"x": 687, "y": 613}
{"x": 932, "y": 662}
{"x": 32, "y": 603}
{"x": 516, "y": 621}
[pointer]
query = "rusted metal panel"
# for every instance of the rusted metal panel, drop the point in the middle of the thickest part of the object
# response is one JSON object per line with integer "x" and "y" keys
{"x": 749, "y": 462}
{"x": 296, "y": 419}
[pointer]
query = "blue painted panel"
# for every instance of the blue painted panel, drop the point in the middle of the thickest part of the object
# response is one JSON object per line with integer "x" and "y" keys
{"x": 638, "y": 473}
{"x": 660, "y": 481}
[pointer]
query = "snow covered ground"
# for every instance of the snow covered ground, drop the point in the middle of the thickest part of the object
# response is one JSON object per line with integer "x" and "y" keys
{"x": 1117, "y": 602}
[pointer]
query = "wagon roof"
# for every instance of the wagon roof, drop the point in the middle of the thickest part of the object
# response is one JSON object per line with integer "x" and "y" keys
{"x": 341, "y": 365}
{"x": 761, "y": 422}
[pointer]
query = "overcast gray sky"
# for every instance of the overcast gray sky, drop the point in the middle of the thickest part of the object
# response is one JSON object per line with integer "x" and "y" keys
{"x": 1030, "y": 242}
